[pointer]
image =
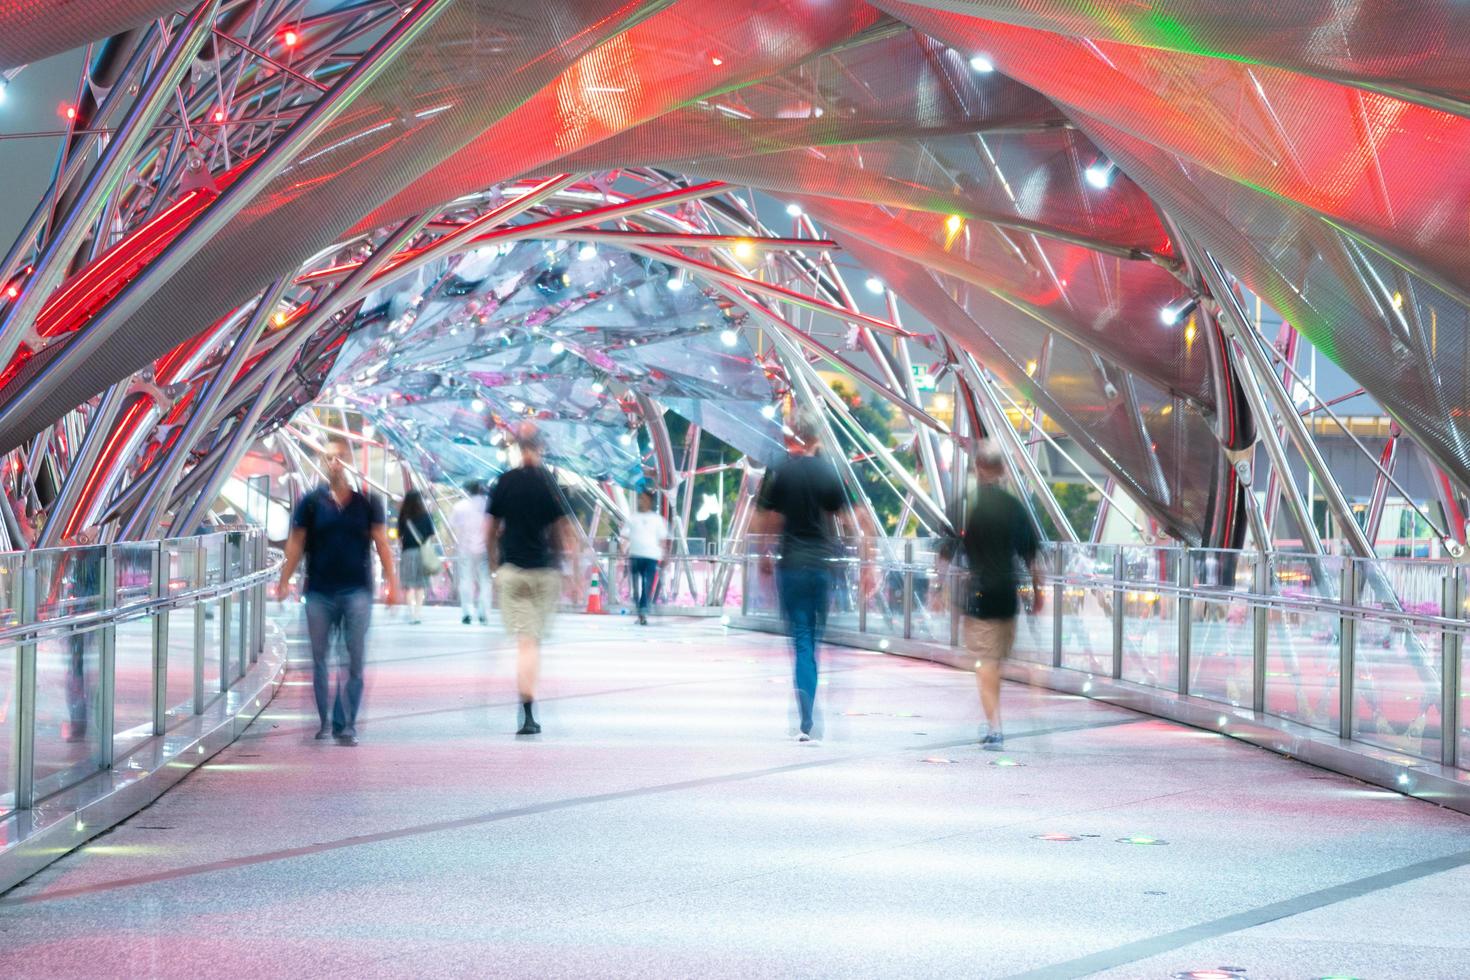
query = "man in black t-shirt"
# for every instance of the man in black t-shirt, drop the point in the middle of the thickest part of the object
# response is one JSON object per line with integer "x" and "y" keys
{"x": 336, "y": 527}
{"x": 803, "y": 499}
{"x": 998, "y": 535}
{"x": 529, "y": 533}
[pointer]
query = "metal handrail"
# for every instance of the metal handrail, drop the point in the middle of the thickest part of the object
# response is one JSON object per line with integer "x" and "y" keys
{"x": 77, "y": 624}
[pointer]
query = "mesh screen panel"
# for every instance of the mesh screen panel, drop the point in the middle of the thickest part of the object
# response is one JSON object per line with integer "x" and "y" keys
{"x": 1105, "y": 303}
{"x": 690, "y": 49}
{"x": 1420, "y": 44}
{"x": 34, "y": 29}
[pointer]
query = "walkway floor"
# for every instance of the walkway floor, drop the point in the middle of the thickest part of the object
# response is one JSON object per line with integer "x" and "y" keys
{"x": 664, "y": 825}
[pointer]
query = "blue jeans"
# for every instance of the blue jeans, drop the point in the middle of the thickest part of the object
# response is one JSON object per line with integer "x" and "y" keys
{"x": 644, "y": 571}
{"x": 803, "y": 594}
{"x": 349, "y": 612}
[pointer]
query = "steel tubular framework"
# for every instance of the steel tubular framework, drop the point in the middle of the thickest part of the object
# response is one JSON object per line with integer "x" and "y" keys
{"x": 419, "y": 222}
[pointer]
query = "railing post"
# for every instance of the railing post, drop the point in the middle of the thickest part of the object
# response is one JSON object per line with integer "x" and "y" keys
{"x": 952, "y": 586}
{"x": 24, "y": 754}
{"x": 1260, "y": 630}
{"x": 745, "y": 583}
{"x": 908, "y": 590}
{"x": 1184, "y": 579}
{"x": 1119, "y": 594}
{"x": 159, "y": 573}
{"x": 107, "y": 663}
{"x": 226, "y": 662}
{"x": 201, "y": 632}
{"x": 1059, "y": 589}
{"x": 257, "y": 619}
{"x": 1452, "y": 607}
{"x": 1347, "y": 642}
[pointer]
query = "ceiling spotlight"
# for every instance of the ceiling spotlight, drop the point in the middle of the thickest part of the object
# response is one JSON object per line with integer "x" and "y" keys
{"x": 794, "y": 210}
{"x": 744, "y": 250}
{"x": 587, "y": 252}
{"x": 477, "y": 406}
{"x": 290, "y": 39}
{"x": 558, "y": 347}
{"x": 1178, "y": 310}
{"x": 676, "y": 283}
{"x": 729, "y": 338}
{"x": 1101, "y": 173}
{"x": 875, "y": 285}
{"x": 981, "y": 64}
{"x": 598, "y": 387}
{"x": 768, "y": 411}
{"x": 626, "y": 438}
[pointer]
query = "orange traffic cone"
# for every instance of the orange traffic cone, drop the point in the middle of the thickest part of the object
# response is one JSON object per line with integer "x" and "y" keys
{"x": 594, "y": 595}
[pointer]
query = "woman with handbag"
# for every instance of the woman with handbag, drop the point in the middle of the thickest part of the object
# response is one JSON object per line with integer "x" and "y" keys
{"x": 419, "y": 555}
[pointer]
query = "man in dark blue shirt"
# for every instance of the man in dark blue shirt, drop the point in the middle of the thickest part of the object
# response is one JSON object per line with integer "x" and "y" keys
{"x": 336, "y": 527}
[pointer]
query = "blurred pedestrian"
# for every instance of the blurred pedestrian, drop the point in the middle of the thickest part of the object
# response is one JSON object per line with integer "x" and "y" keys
{"x": 646, "y": 537}
{"x": 336, "y": 527}
{"x": 528, "y": 536}
{"x": 998, "y": 535}
{"x": 802, "y": 500}
{"x": 472, "y": 567}
{"x": 418, "y": 555}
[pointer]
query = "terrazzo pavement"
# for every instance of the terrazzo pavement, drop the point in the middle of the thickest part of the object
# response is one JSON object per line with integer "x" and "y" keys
{"x": 665, "y": 824}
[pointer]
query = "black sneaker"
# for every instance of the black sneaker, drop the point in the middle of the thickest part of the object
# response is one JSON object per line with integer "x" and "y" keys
{"x": 529, "y": 728}
{"x": 348, "y": 740}
{"x": 642, "y": 620}
{"x": 323, "y": 733}
{"x": 993, "y": 741}
{"x": 465, "y": 619}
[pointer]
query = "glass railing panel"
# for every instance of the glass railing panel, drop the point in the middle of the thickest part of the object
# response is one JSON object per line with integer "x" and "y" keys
{"x": 213, "y": 655}
{"x": 1087, "y": 608}
{"x": 68, "y": 668}
{"x": 1463, "y": 615}
{"x": 930, "y": 613}
{"x": 1035, "y": 631}
{"x": 1150, "y": 617}
{"x": 1302, "y": 650}
{"x": 885, "y": 602}
{"x": 133, "y": 645}
{"x": 1396, "y": 688}
{"x": 181, "y": 557}
{"x": 1221, "y": 651}
{"x": 846, "y": 597}
{"x": 9, "y": 604}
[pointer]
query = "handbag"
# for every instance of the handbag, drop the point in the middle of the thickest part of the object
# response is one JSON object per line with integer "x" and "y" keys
{"x": 428, "y": 554}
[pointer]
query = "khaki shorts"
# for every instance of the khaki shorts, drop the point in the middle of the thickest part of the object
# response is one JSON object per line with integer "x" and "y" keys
{"x": 990, "y": 640}
{"x": 528, "y": 597}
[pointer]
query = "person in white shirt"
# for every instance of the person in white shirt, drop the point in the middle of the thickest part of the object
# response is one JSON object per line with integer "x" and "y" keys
{"x": 646, "y": 537}
{"x": 472, "y": 565}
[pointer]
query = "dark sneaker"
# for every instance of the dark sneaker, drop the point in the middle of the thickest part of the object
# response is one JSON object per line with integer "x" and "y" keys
{"x": 484, "y": 621}
{"x": 529, "y": 728}
{"x": 348, "y": 740}
{"x": 993, "y": 741}
{"x": 323, "y": 733}
{"x": 465, "y": 619}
